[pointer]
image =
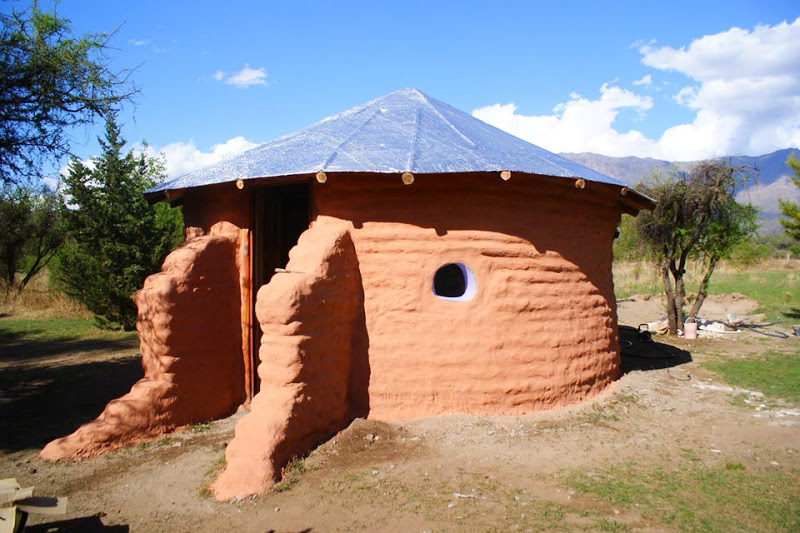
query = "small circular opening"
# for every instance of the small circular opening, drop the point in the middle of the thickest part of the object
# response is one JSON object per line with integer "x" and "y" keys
{"x": 454, "y": 281}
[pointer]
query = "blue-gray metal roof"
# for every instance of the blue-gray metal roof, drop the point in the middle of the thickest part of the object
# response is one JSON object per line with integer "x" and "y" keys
{"x": 405, "y": 131}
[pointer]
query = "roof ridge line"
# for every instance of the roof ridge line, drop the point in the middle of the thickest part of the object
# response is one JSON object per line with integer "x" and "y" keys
{"x": 429, "y": 102}
{"x": 412, "y": 156}
{"x": 361, "y": 126}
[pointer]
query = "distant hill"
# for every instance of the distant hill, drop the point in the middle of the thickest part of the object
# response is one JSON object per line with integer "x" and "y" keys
{"x": 772, "y": 177}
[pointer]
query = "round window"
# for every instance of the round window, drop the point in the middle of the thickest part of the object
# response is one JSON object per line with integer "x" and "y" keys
{"x": 454, "y": 281}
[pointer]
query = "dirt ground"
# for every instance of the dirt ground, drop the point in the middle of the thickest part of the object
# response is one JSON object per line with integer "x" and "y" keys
{"x": 452, "y": 473}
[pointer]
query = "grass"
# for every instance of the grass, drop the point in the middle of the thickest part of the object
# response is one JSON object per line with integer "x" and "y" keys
{"x": 725, "y": 498}
{"x": 774, "y": 286}
{"x": 44, "y": 314}
{"x": 201, "y": 427}
{"x": 42, "y": 300}
{"x": 291, "y": 474}
{"x": 776, "y": 375}
{"x": 55, "y": 329}
{"x": 204, "y": 491}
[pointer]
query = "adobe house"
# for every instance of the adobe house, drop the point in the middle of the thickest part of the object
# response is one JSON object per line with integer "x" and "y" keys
{"x": 399, "y": 260}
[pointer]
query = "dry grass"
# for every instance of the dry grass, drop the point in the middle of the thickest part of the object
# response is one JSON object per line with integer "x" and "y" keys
{"x": 41, "y": 300}
{"x": 642, "y": 277}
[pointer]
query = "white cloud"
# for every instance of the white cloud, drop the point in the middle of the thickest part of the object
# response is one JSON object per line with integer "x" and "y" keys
{"x": 243, "y": 78}
{"x": 139, "y": 42}
{"x": 745, "y": 94}
{"x": 183, "y": 157}
{"x": 579, "y": 125}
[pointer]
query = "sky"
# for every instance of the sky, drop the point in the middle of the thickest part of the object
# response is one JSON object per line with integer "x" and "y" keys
{"x": 679, "y": 80}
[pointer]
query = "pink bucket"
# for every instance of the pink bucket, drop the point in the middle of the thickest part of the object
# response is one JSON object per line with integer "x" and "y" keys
{"x": 690, "y": 330}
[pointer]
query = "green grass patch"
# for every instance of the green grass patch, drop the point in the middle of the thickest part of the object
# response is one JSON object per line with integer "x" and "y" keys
{"x": 698, "y": 499}
{"x": 777, "y": 375}
{"x": 291, "y": 474}
{"x": 56, "y": 329}
{"x": 776, "y": 290}
{"x": 201, "y": 427}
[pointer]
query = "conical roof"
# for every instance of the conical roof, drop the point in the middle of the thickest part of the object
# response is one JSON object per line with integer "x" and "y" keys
{"x": 404, "y": 131}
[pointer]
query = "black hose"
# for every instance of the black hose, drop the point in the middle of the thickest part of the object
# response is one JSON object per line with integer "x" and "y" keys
{"x": 757, "y": 329}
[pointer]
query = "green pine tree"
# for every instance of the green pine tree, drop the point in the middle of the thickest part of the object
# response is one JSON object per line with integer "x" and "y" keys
{"x": 791, "y": 210}
{"x": 116, "y": 239}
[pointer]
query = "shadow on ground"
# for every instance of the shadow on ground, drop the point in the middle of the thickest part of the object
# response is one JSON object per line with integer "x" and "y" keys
{"x": 793, "y": 312}
{"x": 48, "y": 389}
{"x": 641, "y": 352}
{"x": 88, "y": 524}
{"x": 16, "y": 348}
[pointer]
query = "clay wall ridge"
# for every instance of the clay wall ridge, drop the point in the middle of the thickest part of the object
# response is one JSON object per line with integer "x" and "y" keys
{"x": 187, "y": 379}
{"x": 314, "y": 369}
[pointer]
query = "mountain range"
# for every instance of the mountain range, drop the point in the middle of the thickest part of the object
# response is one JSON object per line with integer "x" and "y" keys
{"x": 770, "y": 181}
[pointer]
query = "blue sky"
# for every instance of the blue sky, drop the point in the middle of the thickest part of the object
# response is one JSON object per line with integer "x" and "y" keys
{"x": 675, "y": 80}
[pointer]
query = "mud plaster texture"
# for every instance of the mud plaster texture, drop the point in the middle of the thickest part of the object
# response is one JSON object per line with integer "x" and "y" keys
{"x": 313, "y": 361}
{"x": 189, "y": 330}
{"x": 539, "y": 333}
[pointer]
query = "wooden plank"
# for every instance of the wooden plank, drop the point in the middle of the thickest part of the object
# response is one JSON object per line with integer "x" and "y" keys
{"x": 245, "y": 287}
{"x": 8, "y": 484}
{"x": 15, "y": 495}
{"x": 8, "y": 519}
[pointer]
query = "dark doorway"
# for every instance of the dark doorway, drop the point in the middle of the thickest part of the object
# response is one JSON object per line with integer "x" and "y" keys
{"x": 281, "y": 214}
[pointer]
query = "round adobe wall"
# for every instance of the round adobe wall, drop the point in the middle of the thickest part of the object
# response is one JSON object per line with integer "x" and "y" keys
{"x": 540, "y": 331}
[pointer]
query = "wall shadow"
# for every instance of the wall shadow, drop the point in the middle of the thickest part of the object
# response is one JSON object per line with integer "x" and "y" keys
{"x": 86, "y": 524}
{"x": 641, "y": 352}
{"x": 44, "y": 400}
{"x": 360, "y": 371}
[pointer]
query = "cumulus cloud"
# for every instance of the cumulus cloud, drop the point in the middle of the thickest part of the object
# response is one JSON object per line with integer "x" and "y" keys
{"x": 578, "y": 125}
{"x": 182, "y": 158}
{"x": 744, "y": 93}
{"x": 243, "y": 78}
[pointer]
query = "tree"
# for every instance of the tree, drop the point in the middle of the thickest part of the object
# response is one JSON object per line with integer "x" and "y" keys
{"x": 50, "y": 82}
{"x": 790, "y": 209}
{"x": 697, "y": 217}
{"x": 116, "y": 239}
{"x": 31, "y": 230}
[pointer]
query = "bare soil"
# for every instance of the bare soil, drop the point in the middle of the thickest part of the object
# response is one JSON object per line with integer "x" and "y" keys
{"x": 452, "y": 473}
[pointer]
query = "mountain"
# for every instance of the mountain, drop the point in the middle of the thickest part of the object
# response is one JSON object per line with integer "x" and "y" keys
{"x": 772, "y": 177}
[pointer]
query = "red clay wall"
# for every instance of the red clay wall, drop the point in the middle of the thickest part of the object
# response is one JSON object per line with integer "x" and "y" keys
{"x": 313, "y": 359}
{"x": 541, "y": 330}
{"x": 190, "y": 338}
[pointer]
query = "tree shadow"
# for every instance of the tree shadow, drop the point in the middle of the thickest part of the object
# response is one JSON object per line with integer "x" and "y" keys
{"x": 16, "y": 347}
{"x": 86, "y": 524}
{"x": 793, "y": 313}
{"x": 641, "y": 352}
{"x": 43, "y": 400}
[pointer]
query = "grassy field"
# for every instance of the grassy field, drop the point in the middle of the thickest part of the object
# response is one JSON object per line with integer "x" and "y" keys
{"x": 42, "y": 313}
{"x": 774, "y": 286}
{"x": 690, "y": 498}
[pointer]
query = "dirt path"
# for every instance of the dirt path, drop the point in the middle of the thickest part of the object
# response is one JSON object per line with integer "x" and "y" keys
{"x": 453, "y": 473}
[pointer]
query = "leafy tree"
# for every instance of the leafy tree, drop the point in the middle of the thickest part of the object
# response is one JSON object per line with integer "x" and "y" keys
{"x": 628, "y": 245}
{"x": 31, "y": 230}
{"x": 697, "y": 217}
{"x": 50, "y": 82}
{"x": 790, "y": 209}
{"x": 116, "y": 239}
